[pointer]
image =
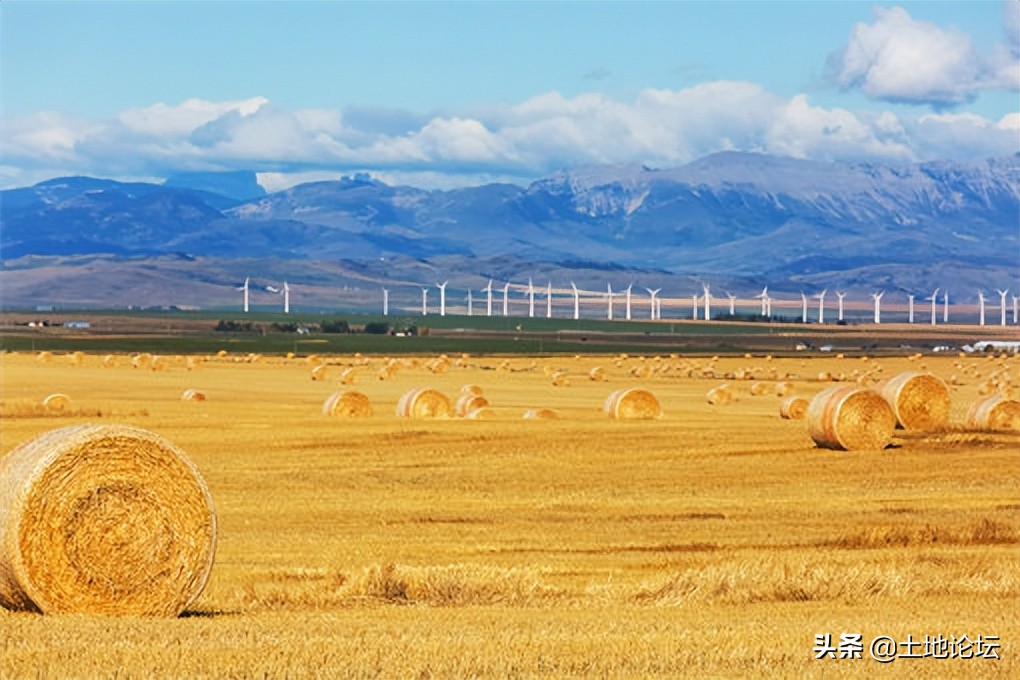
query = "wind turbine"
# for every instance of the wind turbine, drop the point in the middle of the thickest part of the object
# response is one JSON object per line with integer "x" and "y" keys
{"x": 733, "y": 302}
{"x": 945, "y": 307}
{"x": 1002, "y": 306}
{"x": 548, "y": 301}
{"x": 245, "y": 289}
{"x": 628, "y": 301}
{"x": 763, "y": 296}
{"x": 1016, "y": 317}
{"x": 934, "y": 297}
{"x": 840, "y": 295}
{"x": 821, "y": 305}
{"x": 506, "y": 299}
{"x": 803, "y": 304}
{"x": 385, "y": 302}
{"x": 442, "y": 297}
{"x": 531, "y": 299}
{"x": 488, "y": 298}
{"x": 286, "y": 298}
{"x": 877, "y": 297}
{"x": 424, "y": 301}
{"x": 653, "y": 293}
{"x": 609, "y": 298}
{"x": 470, "y": 304}
{"x": 981, "y": 307}
{"x": 910, "y": 308}
{"x": 694, "y": 305}
{"x": 577, "y": 302}
{"x": 708, "y": 301}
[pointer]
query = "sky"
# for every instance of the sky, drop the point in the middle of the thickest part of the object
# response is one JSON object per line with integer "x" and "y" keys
{"x": 447, "y": 94}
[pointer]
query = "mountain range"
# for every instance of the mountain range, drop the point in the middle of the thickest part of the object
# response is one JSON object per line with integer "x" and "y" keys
{"x": 739, "y": 220}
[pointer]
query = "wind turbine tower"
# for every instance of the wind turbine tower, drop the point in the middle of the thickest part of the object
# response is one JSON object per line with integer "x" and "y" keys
{"x": 609, "y": 301}
{"x": 424, "y": 301}
{"x": 470, "y": 304}
{"x": 286, "y": 298}
{"x": 821, "y": 305}
{"x": 733, "y": 303}
{"x": 488, "y": 298}
{"x": 708, "y": 301}
{"x": 763, "y": 296}
{"x": 694, "y": 305}
{"x": 803, "y": 305}
{"x": 655, "y": 311}
{"x": 1002, "y": 306}
{"x": 934, "y": 298}
{"x": 442, "y": 297}
{"x": 245, "y": 289}
{"x": 1016, "y": 317}
{"x": 877, "y": 297}
{"x": 981, "y": 307}
{"x": 628, "y": 301}
{"x": 531, "y": 299}
{"x": 840, "y": 295}
{"x": 945, "y": 307}
{"x": 910, "y": 308}
{"x": 385, "y": 302}
{"x": 548, "y": 300}
{"x": 577, "y": 302}
{"x": 506, "y": 299}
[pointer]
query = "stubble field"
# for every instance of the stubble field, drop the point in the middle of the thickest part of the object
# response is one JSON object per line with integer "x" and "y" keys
{"x": 715, "y": 541}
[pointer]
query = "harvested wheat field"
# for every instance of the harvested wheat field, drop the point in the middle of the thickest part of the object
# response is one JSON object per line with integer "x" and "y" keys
{"x": 712, "y": 541}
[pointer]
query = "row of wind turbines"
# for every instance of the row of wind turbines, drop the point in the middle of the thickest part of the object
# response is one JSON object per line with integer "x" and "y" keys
{"x": 700, "y": 304}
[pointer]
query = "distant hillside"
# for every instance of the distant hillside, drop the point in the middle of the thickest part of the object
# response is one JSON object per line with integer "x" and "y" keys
{"x": 745, "y": 218}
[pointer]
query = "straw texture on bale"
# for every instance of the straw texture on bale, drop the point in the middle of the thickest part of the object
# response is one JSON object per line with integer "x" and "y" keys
{"x": 560, "y": 379}
{"x": 57, "y": 402}
{"x": 920, "y": 401}
{"x": 467, "y": 402}
{"x": 319, "y": 372}
{"x": 597, "y": 374}
{"x": 347, "y": 403}
{"x": 471, "y": 389}
{"x": 540, "y": 414}
{"x": 193, "y": 395}
{"x": 793, "y": 408}
{"x": 482, "y": 413}
{"x": 994, "y": 413}
{"x": 850, "y": 418}
{"x": 424, "y": 403}
{"x": 759, "y": 388}
{"x": 44, "y": 357}
{"x": 348, "y": 376}
{"x": 103, "y": 519}
{"x": 783, "y": 388}
{"x": 632, "y": 404}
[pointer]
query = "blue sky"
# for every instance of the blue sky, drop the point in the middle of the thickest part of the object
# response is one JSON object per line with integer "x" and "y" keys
{"x": 454, "y": 93}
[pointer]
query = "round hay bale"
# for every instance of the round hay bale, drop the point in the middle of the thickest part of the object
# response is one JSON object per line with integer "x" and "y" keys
{"x": 387, "y": 372}
{"x": 424, "y": 403}
{"x": 103, "y": 519}
{"x": 348, "y": 376}
{"x": 347, "y": 403}
{"x": 597, "y": 374}
{"x": 759, "y": 388}
{"x": 824, "y": 376}
{"x": 191, "y": 363}
{"x": 994, "y": 413}
{"x": 471, "y": 389}
{"x": 920, "y": 401}
{"x": 720, "y": 395}
{"x": 848, "y": 417}
{"x": 44, "y": 357}
{"x": 632, "y": 404}
{"x": 109, "y": 361}
{"x": 319, "y": 372}
{"x": 466, "y": 403}
{"x": 482, "y": 413}
{"x": 560, "y": 379}
{"x": 57, "y": 402}
{"x": 76, "y": 358}
{"x": 793, "y": 408}
{"x": 783, "y": 388}
{"x": 193, "y": 395}
{"x": 540, "y": 414}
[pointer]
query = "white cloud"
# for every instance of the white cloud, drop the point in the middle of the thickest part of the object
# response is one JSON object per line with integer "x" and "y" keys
{"x": 522, "y": 141}
{"x": 901, "y": 59}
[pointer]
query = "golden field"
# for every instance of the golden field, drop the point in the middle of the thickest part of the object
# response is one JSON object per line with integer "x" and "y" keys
{"x": 716, "y": 541}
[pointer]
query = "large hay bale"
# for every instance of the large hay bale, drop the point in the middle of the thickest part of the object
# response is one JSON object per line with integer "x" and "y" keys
{"x": 57, "y": 402}
{"x": 471, "y": 389}
{"x": 759, "y": 388}
{"x": 793, "y": 408}
{"x": 540, "y": 414}
{"x": 849, "y": 417}
{"x": 44, "y": 357}
{"x": 466, "y": 403}
{"x": 720, "y": 395}
{"x": 192, "y": 394}
{"x": 920, "y": 401}
{"x": 597, "y": 374}
{"x": 482, "y": 413}
{"x": 103, "y": 519}
{"x": 994, "y": 413}
{"x": 76, "y": 358}
{"x": 318, "y": 372}
{"x": 424, "y": 403}
{"x": 348, "y": 376}
{"x": 783, "y": 388}
{"x": 347, "y": 403}
{"x": 632, "y": 404}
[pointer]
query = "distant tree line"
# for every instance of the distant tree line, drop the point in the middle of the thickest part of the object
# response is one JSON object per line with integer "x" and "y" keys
{"x": 331, "y": 326}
